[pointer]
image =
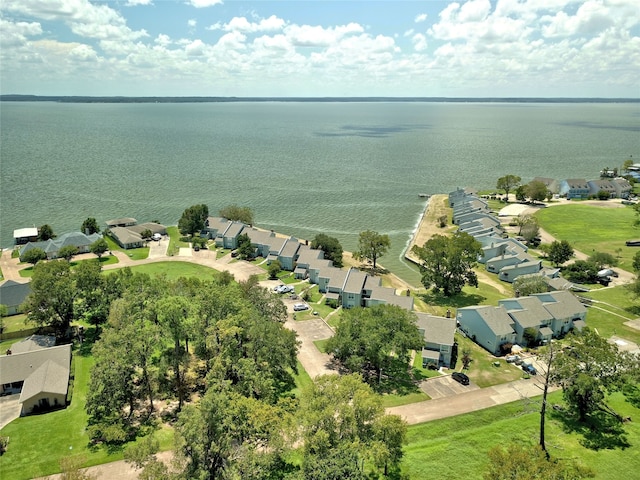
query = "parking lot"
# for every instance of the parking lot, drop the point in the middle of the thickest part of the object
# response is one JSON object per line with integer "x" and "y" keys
{"x": 445, "y": 386}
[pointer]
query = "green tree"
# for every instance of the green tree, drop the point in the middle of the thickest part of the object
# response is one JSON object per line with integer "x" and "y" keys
{"x": 68, "y": 252}
{"x": 636, "y": 262}
{"x": 237, "y": 214}
{"x": 33, "y": 256}
{"x": 371, "y": 246}
{"x": 536, "y": 191}
{"x": 521, "y": 193}
{"x": 527, "y": 284}
{"x": 331, "y": 248}
{"x": 89, "y": 226}
{"x": 627, "y": 163}
{"x": 560, "y": 252}
{"x": 342, "y": 418}
{"x": 274, "y": 269}
{"x": 581, "y": 271}
{"x": 193, "y": 219}
{"x": 603, "y": 259}
{"x": 52, "y": 296}
{"x": 99, "y": 247}
{"x": 508, "y": 183}
{"x": 146, "y": 234}
{"x": 45, "y": 232}
{"x": 245, "y": 249}
{"x": 593, "y": 368}
{"x": 447, "y": 262}
{"x": 368, "y": 336}
{"x": 518, "y": 461}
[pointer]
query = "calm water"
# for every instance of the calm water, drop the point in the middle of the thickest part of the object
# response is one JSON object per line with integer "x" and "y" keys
{"x": 304, "y": 168}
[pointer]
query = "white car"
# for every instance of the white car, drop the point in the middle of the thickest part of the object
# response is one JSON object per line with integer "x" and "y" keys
{"x": 298, "y": 307}
{"x": 285, "y": 289}
{"x": 157, "y": 237}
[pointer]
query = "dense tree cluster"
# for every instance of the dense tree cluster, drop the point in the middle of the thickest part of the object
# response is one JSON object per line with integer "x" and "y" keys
{"x": 193, "y": 219}
{"x": 237, "y": 214}
{"x": 366, "y": 337}
{"x": 448, "y": 262}
{"x": 331, "y": 248}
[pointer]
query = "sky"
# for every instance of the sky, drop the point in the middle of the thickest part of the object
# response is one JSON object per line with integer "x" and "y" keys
{"x": 328, "y": 48}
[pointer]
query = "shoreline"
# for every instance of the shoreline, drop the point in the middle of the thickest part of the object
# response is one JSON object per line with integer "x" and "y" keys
{"x": 427, "y": 227}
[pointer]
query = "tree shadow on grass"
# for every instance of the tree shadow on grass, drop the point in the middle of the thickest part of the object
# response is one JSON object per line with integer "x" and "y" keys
{"x": 457, "y": 301}
{"x": 600, "y": 431}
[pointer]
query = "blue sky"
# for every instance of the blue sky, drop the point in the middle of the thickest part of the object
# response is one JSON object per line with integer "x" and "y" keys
{"x": 537, "y": 48}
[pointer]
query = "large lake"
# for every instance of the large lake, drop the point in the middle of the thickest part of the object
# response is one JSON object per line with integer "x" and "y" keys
{"x": 304, "y": 168}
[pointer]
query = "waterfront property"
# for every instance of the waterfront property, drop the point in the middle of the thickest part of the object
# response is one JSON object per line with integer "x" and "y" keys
{"x": 52, "y": 246}
{"x": 25, "y": 235}
{"x": 127, "y": 233}
{"x": 38, "y": 371}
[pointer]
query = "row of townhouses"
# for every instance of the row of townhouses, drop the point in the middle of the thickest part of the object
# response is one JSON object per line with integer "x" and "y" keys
{"x": 581, "y": 188}
{"x": 547, "y": 315}
{"x": 346, "y": 287}
{"x": 506, "y": 257}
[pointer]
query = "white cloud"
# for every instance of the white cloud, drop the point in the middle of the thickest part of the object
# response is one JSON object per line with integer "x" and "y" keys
{"x": 205, "y": 3}
{"x": 15, "y": 34}
{"x": 419, "y": 42}
{"x": 241, "y": 24}
{"x": 83, "y": 53}
{"x": 318, "y": 36}
{"x": 192, "y": 22}
{"x": 195, "y": 48}
{"x": 420, "y": 18}
{"x": 133, "y": 3}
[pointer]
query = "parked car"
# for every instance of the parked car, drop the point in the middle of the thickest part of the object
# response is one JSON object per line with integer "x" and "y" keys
{"x": 298, "y": 307}
{"x": 460, "y": 378}
{"x": 285, "y": 289}
{"x": 512, "y": 358}
{"x": 530, "y": 369}
{"x": 157, "y": 237}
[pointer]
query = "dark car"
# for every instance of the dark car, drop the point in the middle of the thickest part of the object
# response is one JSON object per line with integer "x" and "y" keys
{"x": 530, "y": 369}
{"x": 460, "y": 378}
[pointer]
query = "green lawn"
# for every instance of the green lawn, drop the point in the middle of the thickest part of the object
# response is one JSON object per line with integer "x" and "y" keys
{"x": 456, "y": 447}
{"x": 482, "y": 370}
{"x": 174, "y": 270}
{"x": 175, "y": 241}
{"x": 134, "y": 253}
{"x": 484, "y": 294}
{"x": 590, "y": 228}
{"x": 611, "y": 309}
{"x": 37, "y": 442}
{"x": 15, "y": 323}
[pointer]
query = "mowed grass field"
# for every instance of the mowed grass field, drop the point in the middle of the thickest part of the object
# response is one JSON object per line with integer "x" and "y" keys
{"x": 591, "y": 228}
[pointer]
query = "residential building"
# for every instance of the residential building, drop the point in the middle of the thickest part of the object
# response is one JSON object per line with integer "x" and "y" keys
{"x": 13, "y": 294}
{"x": 488, "y": 326}
{"x": 574, "y": 188}
{"x": 438, "y": 333}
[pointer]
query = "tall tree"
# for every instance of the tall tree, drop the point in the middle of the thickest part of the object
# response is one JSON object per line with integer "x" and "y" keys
{"x": 99, "y": 247}
{"x": 89, "y": 226}
{"x": 193, "y": 219}
{"x": 559, "y": 252}
{"x": 527, "y": 284}
{"x": 245, "y": 249}
{"x": 447, "y": 262}
{"x": 341, "y": 417}
{"x": 52, "y": 295}
{"x": 592, "y": 368}
{"x": 508, "y": 183}
{"x": 371, "y": 246}
{"x": 331, "y": 248}
{"x": 536, "y": 190}
{"x": 45, "y": 232}
{"x": 368, "y": 336}
{"x": 237, "y": 214}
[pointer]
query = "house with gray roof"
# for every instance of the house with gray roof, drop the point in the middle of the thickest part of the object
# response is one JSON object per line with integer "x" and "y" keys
{"x": 231, "y": 234}
{"x": 151, "y": 226}
{"x": 52, "y": 246}
{"x": 496, "y": 264}
{"x": 488, "y": 326}
{"x": 574, "y": 188}
{"x": 511, "y": 272}
{"x": 260, "y": 240}
{"x": 529, "y": 312}
{"x": 597, "y": 186}
{"x": 126, "y": 238}
{"x": 288, "y": 254}
{"x": 491, "y": 220}
{"x": 551, "y": 183}
{"x": 33, "y": 342}
{"x": 13, "y": 294}
{"x": 121, "y": 222}
{"x": 622, "y": 186}
{"x": 41, "y": 376}
{"x": 387, "y": 296}
{"x": 353, "y": 288}
{"x": 567, "y": 311}
{"x": 438, "y": 334}
{"x": 320, "y": 272}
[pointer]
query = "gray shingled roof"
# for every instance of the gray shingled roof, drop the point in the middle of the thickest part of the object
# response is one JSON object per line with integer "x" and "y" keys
{"x": 561, "y": 303}
{"x": 438, "y": 330}
{"x": 50, "y": 377}
{"x": 355, "y": 281}
{"x": 496, "y": 318}
{"x": 13, "y": 293}
{"x": 527, "y": 311}
{"x": 18, "y": 367}
{"x": 34, "y": 342}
